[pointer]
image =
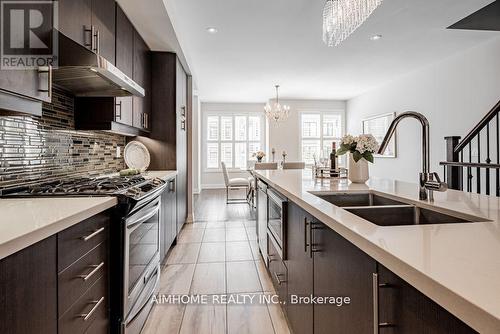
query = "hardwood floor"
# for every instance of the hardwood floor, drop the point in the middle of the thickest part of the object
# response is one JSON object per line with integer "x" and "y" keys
{"x": 218, "y": 254}
{"x": 210, "y": 205}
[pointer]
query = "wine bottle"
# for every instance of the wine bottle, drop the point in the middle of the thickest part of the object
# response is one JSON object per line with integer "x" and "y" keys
{"x": 333, "y": 159}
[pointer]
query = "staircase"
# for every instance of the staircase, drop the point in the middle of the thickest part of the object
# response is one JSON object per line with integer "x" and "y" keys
{"x": 473, "y": 163}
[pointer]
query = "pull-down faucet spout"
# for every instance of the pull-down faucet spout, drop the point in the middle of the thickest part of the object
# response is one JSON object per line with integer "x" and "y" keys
{"x": 428, "y": 181}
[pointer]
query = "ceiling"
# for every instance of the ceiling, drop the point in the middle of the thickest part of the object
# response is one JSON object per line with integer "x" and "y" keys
{"x": 263, "y": 42}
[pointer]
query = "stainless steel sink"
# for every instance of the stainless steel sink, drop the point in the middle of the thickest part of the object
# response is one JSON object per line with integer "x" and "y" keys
{"x": 384, "y": 211}
{"x": 359, "y": 199}
{"x": 403, "y": 215}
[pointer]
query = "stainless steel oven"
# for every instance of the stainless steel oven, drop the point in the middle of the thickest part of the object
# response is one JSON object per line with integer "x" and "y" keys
{"x": 141, "y": 264}
{"x": 277, "y": 220}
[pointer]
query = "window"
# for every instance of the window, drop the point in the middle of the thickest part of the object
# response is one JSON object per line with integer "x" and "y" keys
{"x": 318, "y": 131}
{"x": 232, "y": 138}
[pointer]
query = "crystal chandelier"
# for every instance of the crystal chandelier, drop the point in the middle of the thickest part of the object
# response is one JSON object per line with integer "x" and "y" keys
{"x": 277, "y": 112}
{"x": 342, "y": 17}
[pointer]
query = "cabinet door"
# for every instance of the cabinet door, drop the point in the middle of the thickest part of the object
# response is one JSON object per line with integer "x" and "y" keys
{"x": 404, "y": 309}
{"x": 28, "y": 290}
{"x": 300, "y": 269}
{"x": 342, "y": 270}
{"x": 34, "y": 84}
{"x": 75, "y": 20}
{"x": 103, "y": 19}
{"x": 124, "y": 111}
{"x": 124, "y": 43}
{"x": 142, "y": 75}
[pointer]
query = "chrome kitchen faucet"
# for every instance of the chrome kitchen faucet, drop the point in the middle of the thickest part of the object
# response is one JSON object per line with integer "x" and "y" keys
{"x": 428, "y": 181}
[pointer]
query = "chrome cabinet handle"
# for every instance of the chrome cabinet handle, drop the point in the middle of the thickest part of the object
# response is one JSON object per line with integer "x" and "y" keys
{"x": 375, "y": 302}
{"x": 98, "y": 42}
{"x": 277, "y": 276}
{"x": 86, "y": 316}
{"x": 305, "y": 234}
{"x": 91, "y": 33}
{"x": 313, "y": 226}
{"x": 92, "y": 273}
{"x": 46, "y": 70}
{"x": 171, "y": 185}
{"x": 118, "y": 115}
{"x": 95, "y": 35}
{"x": 93, "y": 234}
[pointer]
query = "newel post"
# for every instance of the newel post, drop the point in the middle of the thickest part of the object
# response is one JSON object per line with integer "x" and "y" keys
{"x": 453, "y": 173}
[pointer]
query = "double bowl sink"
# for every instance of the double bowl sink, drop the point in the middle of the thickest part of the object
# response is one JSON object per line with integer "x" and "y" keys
{"x": 385, "y": 211}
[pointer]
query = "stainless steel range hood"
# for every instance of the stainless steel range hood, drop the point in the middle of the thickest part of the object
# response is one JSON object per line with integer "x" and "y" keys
{"x": 85, "y": 73}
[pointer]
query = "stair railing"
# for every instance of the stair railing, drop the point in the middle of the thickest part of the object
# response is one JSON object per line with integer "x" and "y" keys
{"x": 473, "y": 164}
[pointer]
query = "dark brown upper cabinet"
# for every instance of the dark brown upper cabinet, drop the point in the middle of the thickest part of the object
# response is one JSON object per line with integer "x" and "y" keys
{"x": 142, "y": 75}
{"x": 127, "y": 115}
{"x": 103, "y": 20}
{"x": 90, "y": 23}
{"x": 169, "y": 97}
{"x": 75, "y": 20}
{"x": 23, "y": 90}
{"x": 124, "y": 43}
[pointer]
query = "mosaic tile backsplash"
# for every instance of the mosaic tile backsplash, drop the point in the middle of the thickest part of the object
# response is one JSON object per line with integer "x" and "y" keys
{"x": 34, "y": 149}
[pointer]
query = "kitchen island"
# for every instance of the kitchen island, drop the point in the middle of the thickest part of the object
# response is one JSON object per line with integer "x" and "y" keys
{"x": 454, "y": 264}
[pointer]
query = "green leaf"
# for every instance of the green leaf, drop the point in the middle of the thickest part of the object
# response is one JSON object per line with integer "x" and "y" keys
{"x": 368, "y": 156}
{"x": 356, "y": 156}
{"x": 342, "y": 150}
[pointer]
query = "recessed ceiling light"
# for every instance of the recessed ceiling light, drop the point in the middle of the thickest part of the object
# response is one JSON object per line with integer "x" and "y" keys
{"x": 376, "y": 37}
{"x": 212, "y": 30}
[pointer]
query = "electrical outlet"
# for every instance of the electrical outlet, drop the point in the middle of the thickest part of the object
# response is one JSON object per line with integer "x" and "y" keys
{"x": 118, "y": 152}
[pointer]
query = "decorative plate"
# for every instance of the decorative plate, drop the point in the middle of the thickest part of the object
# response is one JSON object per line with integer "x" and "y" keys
{"x": 136, "y": 155}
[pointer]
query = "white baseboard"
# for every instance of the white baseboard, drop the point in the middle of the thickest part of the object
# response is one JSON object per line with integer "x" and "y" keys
{"x": 213, "y": 186}
{"x": 189, "y": 218}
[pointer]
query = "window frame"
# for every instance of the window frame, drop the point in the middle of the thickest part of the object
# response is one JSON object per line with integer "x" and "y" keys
{"x": 321, "y": 137}
{"x": 233, "y": 141}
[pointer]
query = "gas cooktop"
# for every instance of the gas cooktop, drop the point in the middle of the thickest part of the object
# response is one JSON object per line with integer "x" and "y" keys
{"x": 133, "y": 187}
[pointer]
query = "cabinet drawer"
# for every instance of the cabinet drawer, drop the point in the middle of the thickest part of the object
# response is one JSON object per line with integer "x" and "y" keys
{"x": 81, "y": 275}
{"x": 92, "y": 306}
{"x": 277, "y": 270}
{"x": 78, "y": 240}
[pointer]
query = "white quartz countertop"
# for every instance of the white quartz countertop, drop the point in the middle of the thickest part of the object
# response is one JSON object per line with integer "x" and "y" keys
{"x": 25, "y": 221}
{"x": 162, "y": 174}
{"x": 456, "y": 265}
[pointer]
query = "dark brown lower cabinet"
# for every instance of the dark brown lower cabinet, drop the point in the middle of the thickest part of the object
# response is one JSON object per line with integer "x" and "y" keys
{"x": 404, "y": 309}
{"x": 299, "y": 263}
{"x": 278, "y": 271}
{"x": 38, "y": 297}
{"x": 28, "y": 290}
{"x": 342, "y": 270}
{"x": 322, "y": 263}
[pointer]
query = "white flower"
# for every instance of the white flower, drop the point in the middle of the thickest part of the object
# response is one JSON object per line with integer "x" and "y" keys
{"x": 366, "y": 143}
{"x": 348, "y": 140}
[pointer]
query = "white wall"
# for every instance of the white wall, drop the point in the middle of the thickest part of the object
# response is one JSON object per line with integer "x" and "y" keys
{"x": 454, "y": 94}
{"x": 286, "y": 135}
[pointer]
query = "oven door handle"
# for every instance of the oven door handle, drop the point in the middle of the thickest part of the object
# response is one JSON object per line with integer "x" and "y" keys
{"x": 148, "y": 214}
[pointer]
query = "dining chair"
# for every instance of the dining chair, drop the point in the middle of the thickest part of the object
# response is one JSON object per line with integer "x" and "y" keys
{"x": 294, "y": 165}
{"x": 234, "y": 184}
{"x": 265, "y": 165}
